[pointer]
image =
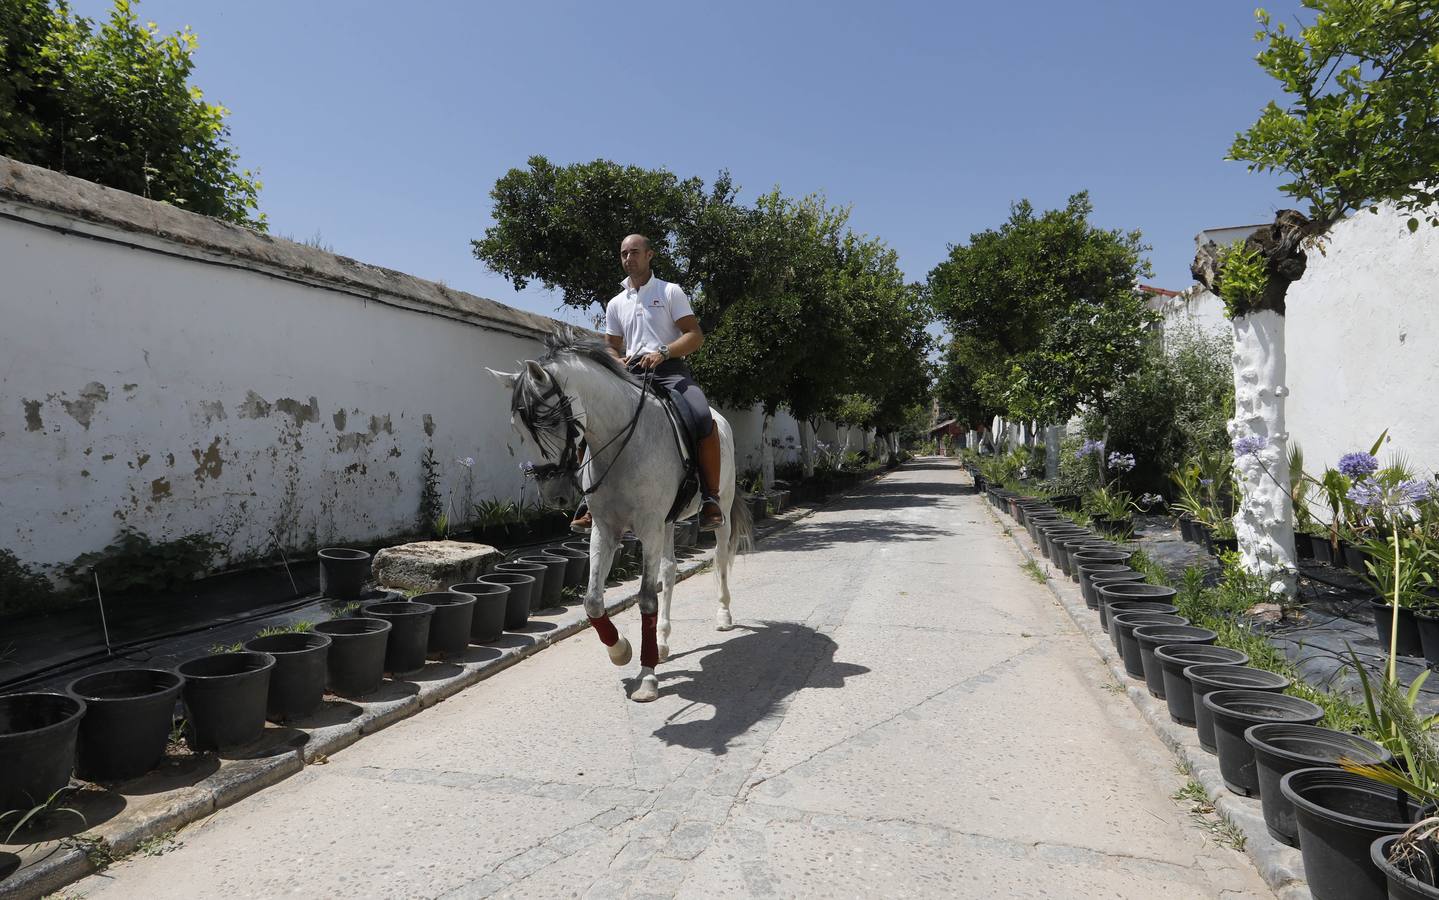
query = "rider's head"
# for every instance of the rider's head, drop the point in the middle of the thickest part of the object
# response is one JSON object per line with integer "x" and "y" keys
{"x": 635, "y": 256}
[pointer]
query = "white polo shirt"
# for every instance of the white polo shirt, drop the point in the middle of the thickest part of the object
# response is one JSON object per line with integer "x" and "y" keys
{"x": 646, "y": 318}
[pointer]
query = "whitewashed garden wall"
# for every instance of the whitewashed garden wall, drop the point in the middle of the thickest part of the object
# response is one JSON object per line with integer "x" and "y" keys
{"x": 170, "y": 373}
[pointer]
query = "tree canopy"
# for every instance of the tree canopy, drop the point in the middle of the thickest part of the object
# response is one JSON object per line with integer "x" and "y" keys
{"x": 1042, "y": 313}
{"x": 1361, "y": 122}
{"x": 114, "y": 105}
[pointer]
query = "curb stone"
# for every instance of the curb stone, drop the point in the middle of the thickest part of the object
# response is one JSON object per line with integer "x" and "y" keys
{"x": 286, "y": 751}
{"x": 1281, "y": 866}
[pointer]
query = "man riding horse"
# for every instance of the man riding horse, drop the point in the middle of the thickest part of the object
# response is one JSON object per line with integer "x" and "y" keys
{"x": 649, "y": 326}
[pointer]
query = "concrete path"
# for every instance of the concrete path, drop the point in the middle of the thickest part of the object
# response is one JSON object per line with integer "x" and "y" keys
{"x": 901, "y": 712}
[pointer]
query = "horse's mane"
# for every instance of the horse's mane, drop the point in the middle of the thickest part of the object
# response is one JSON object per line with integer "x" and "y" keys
{"x": 542, "y": 419}
{"x": 568, "y": 339}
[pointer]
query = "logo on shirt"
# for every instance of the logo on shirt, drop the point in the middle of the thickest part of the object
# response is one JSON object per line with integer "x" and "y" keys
{"x": 655, "y": 302}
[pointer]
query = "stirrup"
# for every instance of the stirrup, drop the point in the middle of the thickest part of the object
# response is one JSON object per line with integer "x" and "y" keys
{"x": 710, "y": 525}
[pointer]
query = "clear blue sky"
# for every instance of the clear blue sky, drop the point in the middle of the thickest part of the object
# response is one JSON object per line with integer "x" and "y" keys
{"x": 382, "y": 126}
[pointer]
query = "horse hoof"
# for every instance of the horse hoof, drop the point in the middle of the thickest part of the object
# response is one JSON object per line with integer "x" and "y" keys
{"x": 723, "y": 620}
{"x": 648, "y": 690}
{"x": 620, "y": 652}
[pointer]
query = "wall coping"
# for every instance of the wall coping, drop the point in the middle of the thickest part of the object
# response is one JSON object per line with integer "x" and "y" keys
{"x": 28, "y": 192}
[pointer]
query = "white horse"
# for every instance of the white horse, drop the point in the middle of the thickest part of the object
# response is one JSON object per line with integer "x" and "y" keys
{"x": 630, "y": 474}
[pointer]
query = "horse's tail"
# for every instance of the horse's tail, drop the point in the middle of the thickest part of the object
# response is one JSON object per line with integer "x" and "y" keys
{"x": 741, "y": 524}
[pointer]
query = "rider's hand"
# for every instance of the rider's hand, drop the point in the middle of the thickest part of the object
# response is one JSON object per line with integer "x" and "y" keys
{"x": 651, "y": 360}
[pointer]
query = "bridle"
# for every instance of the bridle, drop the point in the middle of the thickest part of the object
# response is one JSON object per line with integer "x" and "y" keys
{"x": 562, "y": 410}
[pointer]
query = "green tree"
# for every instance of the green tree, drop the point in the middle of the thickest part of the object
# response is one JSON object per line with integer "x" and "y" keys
{"x": 114, "y": 105}
{"x": 562, "y": 225}
{"x": 1042, "y": 313}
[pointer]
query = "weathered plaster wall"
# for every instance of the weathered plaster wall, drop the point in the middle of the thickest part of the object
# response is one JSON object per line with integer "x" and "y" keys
{"x": 1363, "y": 343}
{"x": 166, "y": 372}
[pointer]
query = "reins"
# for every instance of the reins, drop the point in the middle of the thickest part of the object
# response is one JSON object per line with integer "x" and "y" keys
{"x": 569, "y": 458}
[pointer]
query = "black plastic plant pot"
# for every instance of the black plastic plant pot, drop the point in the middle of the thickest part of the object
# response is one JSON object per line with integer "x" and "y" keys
{"x": 554, "y": 577}
{"x": 355, "y": 664}
{"x": 1408, "y": 643}
{"x": 129, "y": 714}
{"x": 1152, "y": 637}
{"x": 576, "y": 562}
{"x": 1355, "y": 558}
{"x": 1206, "y": 678}
{"x": 1340, "y": 815}
{"x": 1036, "y": 523}
{"x": 1283, "y": 748}
{"x": 1303, "y": 547}
{"x": 517, "y": 600}
{"x": 1320, "y": 549}
{"x": 1408, "y": 879}
{"x": 1077, "y": 550}
{"x": 1064, "y": 547}
{"x": 488, "y": 613}
{"x": 1428, "y": 628}
{"x": 1186, "y": 529}
{"x": 691, "y": 525}
{"x": 225, "y": 698}
{"x": 453, "y": 617}
{"x": 1126, "y": 622}
{"x": 1173, "y": 659}
{"x": 409, "y": 641}
{"x": 37, "y": 747}
{"x": 1049, "y": 538}
{"x": 538, "y": 571}
{"x": 1087, "y": 571}
{"x": 1093, "y": 556}
{"x": 1102, "y": 578}
{"x": 1233, "y": 712}
{"x": 297, "y": 683}
{"x": 1121, "y": 607}
{"x": 343, "y": 572}
{"x": 1114, "y": 592}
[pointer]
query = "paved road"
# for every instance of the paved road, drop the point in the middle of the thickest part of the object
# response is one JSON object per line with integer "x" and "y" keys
{"x": 901, "y": 713}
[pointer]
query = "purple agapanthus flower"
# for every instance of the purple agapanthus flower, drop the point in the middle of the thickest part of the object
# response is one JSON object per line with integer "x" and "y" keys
{"x": 1358, "y": 465}
{"x": 1249, "y": 446}
{"x": 1121, "y": 462}
{"x": 1206, "y": 482}
{"x": 1390, "y": 501}
{"x": 1088, "y": 448}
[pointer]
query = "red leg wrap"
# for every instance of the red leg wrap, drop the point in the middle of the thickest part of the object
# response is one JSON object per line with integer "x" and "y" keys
{"x": 649, "y": 643}
{"x": 606, "y": 630}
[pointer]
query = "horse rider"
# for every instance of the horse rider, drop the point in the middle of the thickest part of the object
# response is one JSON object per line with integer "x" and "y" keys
{"x": 649, "y": 326}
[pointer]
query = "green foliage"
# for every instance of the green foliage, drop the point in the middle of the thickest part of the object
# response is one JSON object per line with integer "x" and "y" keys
{"x": 17, "y": 820}
{"x": 237, "y": 647}
{"x": 1360, "y": 124}
{"x": 1394, "y": 721}
{"x": 1042, "y": 312}
{"x": 134, "y": 563}
{"x": 1108, "y": 502}
{"x": 21, "y": 587}
{"x": 113, "y": 104}
{"x": 1244, "y": 276}
{"x": 301, "y": 627}
{"x": 432, "y": 504}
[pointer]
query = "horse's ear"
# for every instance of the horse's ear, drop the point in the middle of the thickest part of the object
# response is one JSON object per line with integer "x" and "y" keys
{"x": 508, "y": 379}
{"x": 537, "y": 372}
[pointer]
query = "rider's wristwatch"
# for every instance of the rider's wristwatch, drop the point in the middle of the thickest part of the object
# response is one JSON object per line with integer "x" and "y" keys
{"x": 665, "y": 350}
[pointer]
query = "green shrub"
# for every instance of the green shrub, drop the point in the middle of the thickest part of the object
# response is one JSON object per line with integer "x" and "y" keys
{"x": 21, "y": 587}
{"x": 135, "y": 563}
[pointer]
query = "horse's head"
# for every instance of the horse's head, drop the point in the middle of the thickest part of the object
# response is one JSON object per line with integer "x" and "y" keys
{"x": 540, "y": 407}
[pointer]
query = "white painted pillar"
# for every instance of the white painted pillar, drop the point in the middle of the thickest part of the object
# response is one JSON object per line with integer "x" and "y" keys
{"x": 1053, "y": 435}
{"x": 766, "y": 454}
{"x": 806, "y": 447}
{"x": 1264, "y": 522}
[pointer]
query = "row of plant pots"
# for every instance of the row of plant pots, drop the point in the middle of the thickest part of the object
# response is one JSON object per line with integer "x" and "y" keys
{"x": 1269, "y": 744}
{"x": 1202, "y": 533}
{"x": 113, "y": 726}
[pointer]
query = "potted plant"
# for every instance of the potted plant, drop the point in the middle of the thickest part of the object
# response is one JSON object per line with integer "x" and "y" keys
{"x": 453, "y": 617}
{"x": 297, "y": 683}
{"x": 409, "y": 640}
{"x": 129, "y": 714}
{"x": 355, "y": 663}
{"x": 1407, "y": 862}
{"x": 37, "y": 747}
{"x": 225, "y": 699}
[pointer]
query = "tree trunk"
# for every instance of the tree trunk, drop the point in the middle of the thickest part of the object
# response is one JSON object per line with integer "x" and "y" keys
{"x": 766, "y": 454}
{"x": 1052, "y": 437}
{"x": 1264, "y": 522}
{"x": 806, "y": 447}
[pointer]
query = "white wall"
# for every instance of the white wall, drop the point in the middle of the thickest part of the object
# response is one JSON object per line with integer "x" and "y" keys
{"x": 1362, "y": 341}
{"x": 170, "y": 373}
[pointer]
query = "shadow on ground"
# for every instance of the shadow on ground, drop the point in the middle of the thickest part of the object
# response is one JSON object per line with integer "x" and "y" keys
{"x": 824, "y": 536}
{"x": 745, "y": 678}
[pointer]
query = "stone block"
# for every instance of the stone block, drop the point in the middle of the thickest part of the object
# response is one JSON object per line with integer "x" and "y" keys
{"x": 433, "y": 565}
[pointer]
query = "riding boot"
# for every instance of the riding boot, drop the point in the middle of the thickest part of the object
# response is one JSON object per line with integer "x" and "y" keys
{"x": 711, "y": 516}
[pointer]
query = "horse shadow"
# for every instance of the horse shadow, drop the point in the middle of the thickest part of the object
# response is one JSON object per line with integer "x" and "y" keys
{"x": 745, "y": 678}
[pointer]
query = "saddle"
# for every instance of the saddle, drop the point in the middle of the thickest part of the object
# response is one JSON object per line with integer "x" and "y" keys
{"x": 686, "y": 430}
